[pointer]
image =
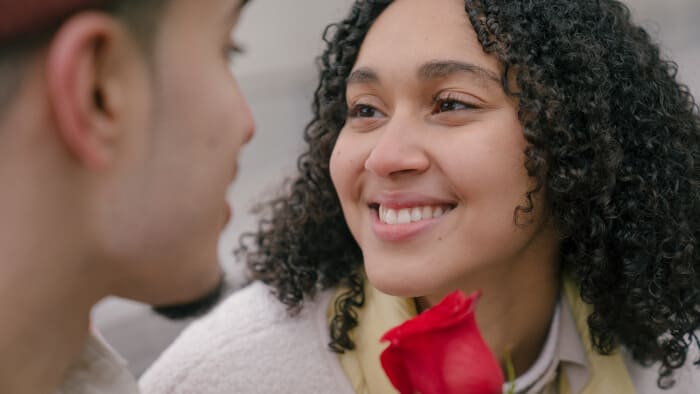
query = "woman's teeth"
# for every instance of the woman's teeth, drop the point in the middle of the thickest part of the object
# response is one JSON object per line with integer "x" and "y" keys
{"x": 408, "y": 215}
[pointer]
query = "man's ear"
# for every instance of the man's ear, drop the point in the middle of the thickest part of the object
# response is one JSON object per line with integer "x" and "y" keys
{"x": 88, "y": 77}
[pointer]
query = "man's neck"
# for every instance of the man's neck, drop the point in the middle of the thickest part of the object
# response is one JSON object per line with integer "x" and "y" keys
{"x": 43, "y": 334}
{"x": 48, "y": 284}
{"x": 47, "y": 318}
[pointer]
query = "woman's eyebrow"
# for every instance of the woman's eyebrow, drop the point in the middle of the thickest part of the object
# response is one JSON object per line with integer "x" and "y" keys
{"x": 437, "y": 69}
{"x": 362, "y": 75}
{"x": 434, "y": 69}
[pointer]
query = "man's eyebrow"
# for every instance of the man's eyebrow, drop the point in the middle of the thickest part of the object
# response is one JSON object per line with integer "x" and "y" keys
{"x": 444, "y": 68}
{"x": 242, "y": 4}
{"x": 234, "y": 11}
{"x": 362, "y": 75}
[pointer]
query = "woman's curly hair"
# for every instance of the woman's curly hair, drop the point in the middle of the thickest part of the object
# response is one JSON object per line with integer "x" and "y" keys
{"x": 613, "y": 142}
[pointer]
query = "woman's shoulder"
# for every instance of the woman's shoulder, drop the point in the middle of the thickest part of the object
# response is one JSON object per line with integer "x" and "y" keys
{"x": 250, "y": 344}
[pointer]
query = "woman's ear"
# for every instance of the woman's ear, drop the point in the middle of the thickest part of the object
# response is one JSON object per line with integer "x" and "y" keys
{"x": 88, "y": 75}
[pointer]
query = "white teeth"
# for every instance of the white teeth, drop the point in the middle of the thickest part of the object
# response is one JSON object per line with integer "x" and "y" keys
{"x": 416, "y": 214}
{"x": 404, "y": 216}
{"x": 408, "y": 215}
{"x": 390, "y": 216}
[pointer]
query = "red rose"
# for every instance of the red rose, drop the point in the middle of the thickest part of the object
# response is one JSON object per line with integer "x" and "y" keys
{"x": 441, "y": 351}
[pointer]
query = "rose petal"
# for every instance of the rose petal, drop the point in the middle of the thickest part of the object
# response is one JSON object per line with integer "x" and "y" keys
{"x": 441, "y": 351}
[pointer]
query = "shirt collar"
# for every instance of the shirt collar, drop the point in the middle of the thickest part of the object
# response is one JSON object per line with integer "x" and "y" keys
{"x": 563, "y": 352}
{"x": 571, "y": 353}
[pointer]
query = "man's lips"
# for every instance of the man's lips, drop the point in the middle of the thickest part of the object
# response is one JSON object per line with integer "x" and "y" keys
{"x": 228, "y": 212}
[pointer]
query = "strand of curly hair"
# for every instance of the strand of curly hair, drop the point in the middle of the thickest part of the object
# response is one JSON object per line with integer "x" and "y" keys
{"x": 613, "y": 140}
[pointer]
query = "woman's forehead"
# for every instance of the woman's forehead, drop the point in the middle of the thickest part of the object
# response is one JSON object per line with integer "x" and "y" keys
{"x": 416, "y": 33}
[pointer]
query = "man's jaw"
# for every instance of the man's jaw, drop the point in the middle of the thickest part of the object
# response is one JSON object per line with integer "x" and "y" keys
{"x": 196, "y": 307}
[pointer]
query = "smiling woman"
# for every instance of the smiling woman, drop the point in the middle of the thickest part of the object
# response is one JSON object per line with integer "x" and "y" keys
{"x": 540, "y": 152}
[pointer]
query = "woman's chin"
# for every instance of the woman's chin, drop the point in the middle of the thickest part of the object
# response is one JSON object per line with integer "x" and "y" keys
{"x": 398, "y": 284}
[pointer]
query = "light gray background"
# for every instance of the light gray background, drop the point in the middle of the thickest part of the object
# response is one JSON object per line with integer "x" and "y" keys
{"x": 278, "y": 76}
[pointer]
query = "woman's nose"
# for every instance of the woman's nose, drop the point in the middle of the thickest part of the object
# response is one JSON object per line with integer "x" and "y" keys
{"x": 397, "y": 150}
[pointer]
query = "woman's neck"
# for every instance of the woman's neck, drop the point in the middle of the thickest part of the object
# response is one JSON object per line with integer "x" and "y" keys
{"x": 517, "y": 304}
{"x": 516, "y": 322}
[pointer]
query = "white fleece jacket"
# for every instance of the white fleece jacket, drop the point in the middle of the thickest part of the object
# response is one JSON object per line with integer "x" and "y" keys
{"x": 250, "y": 344}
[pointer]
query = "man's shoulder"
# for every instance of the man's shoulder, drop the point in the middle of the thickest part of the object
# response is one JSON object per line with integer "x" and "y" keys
{"x": 98, "y": 370}
{"x": 249, "y": 343}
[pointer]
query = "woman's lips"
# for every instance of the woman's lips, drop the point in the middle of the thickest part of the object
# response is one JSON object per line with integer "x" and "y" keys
{"x": 402, "y": 215}
{"x": 409, "y": 214}
{"x": 400, "y": 231}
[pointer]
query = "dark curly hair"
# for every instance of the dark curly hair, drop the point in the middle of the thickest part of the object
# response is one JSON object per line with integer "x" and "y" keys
{"x": 613, "y": 142}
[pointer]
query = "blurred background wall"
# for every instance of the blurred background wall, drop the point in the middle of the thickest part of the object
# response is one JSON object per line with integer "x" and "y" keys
{"x": 278, "y": 75}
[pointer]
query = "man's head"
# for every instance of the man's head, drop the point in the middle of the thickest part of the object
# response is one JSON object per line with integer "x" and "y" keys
{"x": 126, "y": 111}
{"x": 26, "y": 27}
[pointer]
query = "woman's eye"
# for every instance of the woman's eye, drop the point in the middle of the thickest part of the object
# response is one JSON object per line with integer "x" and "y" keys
{"x": 450, "y": 105}
{"x": 450, "y": 101}
{"x": 447, "y": 105}
{"x": 363, "y": 111}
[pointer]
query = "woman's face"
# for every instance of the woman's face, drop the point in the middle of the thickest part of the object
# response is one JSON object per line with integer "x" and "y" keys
{"x": 429, "y": 167}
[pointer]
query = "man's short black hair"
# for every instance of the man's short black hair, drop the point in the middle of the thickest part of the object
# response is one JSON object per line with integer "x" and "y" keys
{"x": 142, "y": 17}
